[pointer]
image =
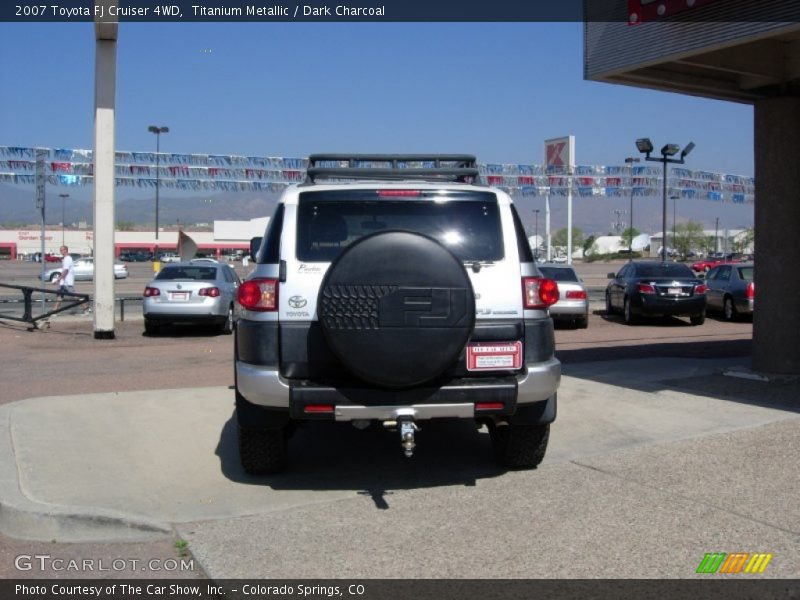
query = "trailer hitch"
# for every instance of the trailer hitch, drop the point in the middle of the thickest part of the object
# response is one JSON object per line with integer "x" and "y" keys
{"x": 407, "y": 427}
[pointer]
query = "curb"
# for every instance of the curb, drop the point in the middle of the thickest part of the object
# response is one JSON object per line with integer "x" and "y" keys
{"x": 24, "y": 518}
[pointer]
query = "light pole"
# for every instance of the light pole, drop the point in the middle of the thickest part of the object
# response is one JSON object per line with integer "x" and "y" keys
{"x": 645, "y": 146}
{"x": 158, "y": 131}
{"x": 629, "y": 161}
{"x": 674, "y": 198}
{"x": 63, "y": 213}
{"x": 536, "y": 234}
{"x": 716, "y": 236}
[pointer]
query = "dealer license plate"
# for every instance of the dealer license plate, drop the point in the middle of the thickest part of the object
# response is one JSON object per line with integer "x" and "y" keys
{"x": 178, "y": 295}
{"x": 675, "y": 291}
{"x": 494, "y": 356}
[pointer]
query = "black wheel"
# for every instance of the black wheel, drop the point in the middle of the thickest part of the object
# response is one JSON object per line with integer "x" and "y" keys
{"x": 582, "y": 322}
{"x": 729, "y": 309}
{"x": 609, "y": 308}
{"x": 698, "y": 319}
{"x": 627, "y": 314}
{"x": 519, "y": 446}
{"x": 262, "y": 451}
{"x": 227, "y": 327}
{"x": 150, "y": 327}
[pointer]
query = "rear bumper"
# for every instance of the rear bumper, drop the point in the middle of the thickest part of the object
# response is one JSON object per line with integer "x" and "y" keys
{"x": 569, "y": 309}
{"x": 457, "y": 399}
{"x": 744, "y": 306}
{"x": 647, "y": 304}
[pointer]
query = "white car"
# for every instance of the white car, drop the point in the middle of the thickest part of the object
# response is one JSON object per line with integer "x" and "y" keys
{"x": 84, "y": 271}
{"x": 169, "y": 257}
{"x": 573, "y": 299}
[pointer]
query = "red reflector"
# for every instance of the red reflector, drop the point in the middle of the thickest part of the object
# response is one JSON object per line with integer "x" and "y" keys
{"x": 397, "y": 193}
{"x": 151, "y": 291}
{"x": 646, "y": 288}
{"x": 489, "y": 406}
{"x": 576, "y": 295}
{"x": 318, "y": 408}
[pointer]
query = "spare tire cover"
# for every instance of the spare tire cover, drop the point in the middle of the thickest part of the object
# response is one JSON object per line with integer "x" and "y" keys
{"x": 397, "y": 308}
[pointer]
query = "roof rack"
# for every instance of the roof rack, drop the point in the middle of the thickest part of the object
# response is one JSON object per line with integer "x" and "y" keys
{"x": 426, "y": 167}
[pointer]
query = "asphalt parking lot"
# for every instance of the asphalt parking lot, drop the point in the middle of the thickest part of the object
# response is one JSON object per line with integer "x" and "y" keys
{"x": 656, "y": 458}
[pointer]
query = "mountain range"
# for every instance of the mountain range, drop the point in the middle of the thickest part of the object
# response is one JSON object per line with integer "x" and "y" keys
{"x": 592, "y": 215}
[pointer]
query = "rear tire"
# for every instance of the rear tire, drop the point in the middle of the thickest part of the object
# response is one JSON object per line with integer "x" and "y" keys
{"x": 698, "y": 319}
{"x": 262, "y": 451}
{"x": 627, "y": 313}
{"x": 519, "y": 446}
{"x": 150, "y": 328}
{"x": 729, "y": 309}
{"x": 227, "y": 327}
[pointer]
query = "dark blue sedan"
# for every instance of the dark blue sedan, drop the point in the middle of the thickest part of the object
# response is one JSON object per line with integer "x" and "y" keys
{"x": 648, "y": 288}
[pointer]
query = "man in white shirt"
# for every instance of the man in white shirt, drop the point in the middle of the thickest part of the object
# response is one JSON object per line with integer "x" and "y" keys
{"x": 66, "y": 279}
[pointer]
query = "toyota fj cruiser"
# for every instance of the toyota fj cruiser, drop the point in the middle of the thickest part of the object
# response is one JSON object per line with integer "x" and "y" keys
{"x": 395, "y": 289}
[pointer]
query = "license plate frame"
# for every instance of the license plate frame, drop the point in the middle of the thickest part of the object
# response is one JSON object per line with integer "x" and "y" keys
{"x": 178, "y": 296}
{"x": 675, "y": 291}
{"x": 494, "y": 356}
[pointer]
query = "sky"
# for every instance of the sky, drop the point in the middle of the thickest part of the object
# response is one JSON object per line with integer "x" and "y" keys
{"x": 496, "y": 90}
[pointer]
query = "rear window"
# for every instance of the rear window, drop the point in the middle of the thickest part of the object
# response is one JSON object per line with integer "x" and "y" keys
{"x": 664, "y": 270}
{"x": 467, "y": 223}
{"x": 746, "y": 273}
{"x": 559, "y": 274}
{"x": 188, "y": 273}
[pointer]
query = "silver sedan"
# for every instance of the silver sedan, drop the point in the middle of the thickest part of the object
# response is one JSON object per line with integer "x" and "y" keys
{"x": 191, "y": 292}
{"x": 83, "y": 268}
{"x": 573, "y": 303}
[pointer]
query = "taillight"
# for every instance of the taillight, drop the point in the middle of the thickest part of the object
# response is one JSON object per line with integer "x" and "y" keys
{"x": 151, "y": 291}
{"x": 576, "y": 295}
{"x": 318, "y": 408}
{"x": 538, "y": 292}
{"x": 701, "y": 289}
{"x": 212, "y": 292}
{"x": 751, "y": 290}
{"x": 259, "y": 294}
{"x": 645, "y": 288}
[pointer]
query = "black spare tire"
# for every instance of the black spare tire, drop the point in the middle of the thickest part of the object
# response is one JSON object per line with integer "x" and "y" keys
{"x": 397, "y": 308}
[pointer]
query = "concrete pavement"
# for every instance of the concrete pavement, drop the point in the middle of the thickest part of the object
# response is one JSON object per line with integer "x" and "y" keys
{"x": 642, "y": 477}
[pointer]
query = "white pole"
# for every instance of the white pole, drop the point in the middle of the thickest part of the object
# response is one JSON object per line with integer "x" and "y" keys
{"x": 547, "y": 227}
{"x": 569, "y": 218}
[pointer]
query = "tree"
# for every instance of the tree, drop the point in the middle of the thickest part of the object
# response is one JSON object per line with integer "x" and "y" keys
{"x": 588, "y": 244}
{"x": 125, "y": 226}
{"x": 742, "y": 241}
{"x": 560, "y": 237}
{"x": 628, "y": 235}
{"x": 688, "y": 236}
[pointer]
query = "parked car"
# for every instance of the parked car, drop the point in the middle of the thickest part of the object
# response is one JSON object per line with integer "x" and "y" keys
{"x": 573, "y": 302}
{"x": 731, "y": 290}
{"x": 84, "y": 270}
{"x": 649, "y": 288}
{"x": 706, "y": 265}
{"x": 191, "y": 292}
{"x": 134, "y": 256}
{"x": 169, "y": 257}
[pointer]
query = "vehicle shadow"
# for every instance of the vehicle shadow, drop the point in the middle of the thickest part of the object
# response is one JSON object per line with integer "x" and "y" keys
{"x": 184, "y": 331}
{"x": 328, "y": 455}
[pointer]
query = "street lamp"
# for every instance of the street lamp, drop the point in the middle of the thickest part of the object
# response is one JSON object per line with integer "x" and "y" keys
{"x": 674, "y": 198}
{"x": 536, "y": 234}
{"x": 158, "y": 131}
{"x": 63, "y": 217}
{"x": 645, "y": 146}
{"x": 629, "y": 161}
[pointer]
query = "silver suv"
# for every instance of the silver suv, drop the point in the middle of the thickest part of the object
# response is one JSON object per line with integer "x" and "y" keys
{"x": 395, "y": 289}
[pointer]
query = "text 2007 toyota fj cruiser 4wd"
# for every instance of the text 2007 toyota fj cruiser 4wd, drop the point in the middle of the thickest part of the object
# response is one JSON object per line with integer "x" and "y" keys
{"x": 395, "y": 288}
